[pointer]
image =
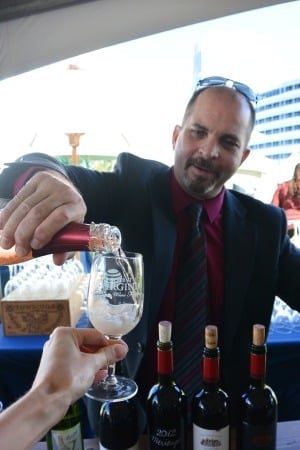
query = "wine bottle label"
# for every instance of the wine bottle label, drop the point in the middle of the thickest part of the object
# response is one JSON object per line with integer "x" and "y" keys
{"x": 165, "y": 438}
{"x": 67, "y": 439}
{"x": 261, "y": 437}
{"x": 135, "y": 447}
{"x": 208, "y": 439}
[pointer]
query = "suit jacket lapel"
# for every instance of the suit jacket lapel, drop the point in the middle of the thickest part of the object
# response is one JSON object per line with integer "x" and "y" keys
{"x": 239, "y": 249}
{"x": 159, "y": 263}
{"x": 164, "y": 231}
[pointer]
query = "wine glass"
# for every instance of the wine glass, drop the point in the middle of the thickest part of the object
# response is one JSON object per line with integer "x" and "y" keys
{"x": 114, "y": 307}
{"x": 283, "y": 319}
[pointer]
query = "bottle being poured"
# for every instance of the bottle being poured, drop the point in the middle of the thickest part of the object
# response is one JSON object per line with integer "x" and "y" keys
{"x": 73, "y": 237}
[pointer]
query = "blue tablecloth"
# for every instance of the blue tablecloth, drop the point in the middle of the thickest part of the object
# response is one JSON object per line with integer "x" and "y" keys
{"x": 283, "y": 372}
{"x": 19, "y": 360}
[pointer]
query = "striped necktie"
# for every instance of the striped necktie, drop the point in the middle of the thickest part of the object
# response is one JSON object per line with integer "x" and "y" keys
{"x": 191, "y": 310}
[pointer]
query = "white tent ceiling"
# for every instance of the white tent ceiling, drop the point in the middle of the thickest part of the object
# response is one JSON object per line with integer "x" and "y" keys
{"x": 42, "y": 38}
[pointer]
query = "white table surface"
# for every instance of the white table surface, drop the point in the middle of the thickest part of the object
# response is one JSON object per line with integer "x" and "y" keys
{"x": 288, "y": 435}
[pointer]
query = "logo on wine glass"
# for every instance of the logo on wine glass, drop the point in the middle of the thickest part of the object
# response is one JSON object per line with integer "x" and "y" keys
{"x": 116, "y": 286}
{"x": 113, "y": 278}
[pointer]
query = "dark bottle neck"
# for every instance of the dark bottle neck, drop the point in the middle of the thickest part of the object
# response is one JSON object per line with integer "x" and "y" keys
{"x": 258, "y": 361}
{"x": 73, "y": 237}
{"x": 165, "y": 365}
{"x": 211, "y": 368}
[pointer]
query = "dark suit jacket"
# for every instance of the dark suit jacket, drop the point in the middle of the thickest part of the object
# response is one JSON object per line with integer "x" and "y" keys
{"x": 260, "y": 261}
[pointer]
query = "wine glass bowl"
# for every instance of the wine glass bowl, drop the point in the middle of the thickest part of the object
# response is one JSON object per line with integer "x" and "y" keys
{"x": 114, "y": 307}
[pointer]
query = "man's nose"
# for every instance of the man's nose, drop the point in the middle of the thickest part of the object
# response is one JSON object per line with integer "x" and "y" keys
{"x": 209, "y": 148}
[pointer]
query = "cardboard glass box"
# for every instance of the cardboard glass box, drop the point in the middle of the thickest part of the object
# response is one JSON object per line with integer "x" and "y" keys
{"x": 30, "y": 317}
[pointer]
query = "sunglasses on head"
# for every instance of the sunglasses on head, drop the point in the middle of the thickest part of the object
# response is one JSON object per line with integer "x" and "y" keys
{"x": 221, "y": 81}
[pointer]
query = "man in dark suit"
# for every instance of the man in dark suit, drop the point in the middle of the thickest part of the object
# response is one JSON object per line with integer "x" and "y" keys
{"x": 249, "y": 256}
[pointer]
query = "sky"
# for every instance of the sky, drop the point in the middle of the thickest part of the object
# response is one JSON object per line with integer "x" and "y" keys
{"x": 128, "y": 97}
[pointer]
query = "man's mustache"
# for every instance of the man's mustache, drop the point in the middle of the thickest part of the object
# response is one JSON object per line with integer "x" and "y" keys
{"x": 202, "y": 163}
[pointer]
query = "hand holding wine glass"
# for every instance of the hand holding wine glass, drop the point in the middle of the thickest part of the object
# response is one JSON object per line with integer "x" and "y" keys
{"x": 115, "y": 306}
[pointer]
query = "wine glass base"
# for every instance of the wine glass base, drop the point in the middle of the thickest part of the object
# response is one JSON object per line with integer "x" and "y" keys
{"x": 123, "y": 390}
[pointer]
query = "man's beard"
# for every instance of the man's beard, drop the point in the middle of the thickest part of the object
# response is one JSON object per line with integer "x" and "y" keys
{"x": 201, "y": 186}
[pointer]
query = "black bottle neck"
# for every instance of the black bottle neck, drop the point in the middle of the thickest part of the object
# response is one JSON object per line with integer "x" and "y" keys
{"x": 211, "y": 368}
{"x": 165, "y": 365}
{"x": 73, "y": 237}
{"x": 258, "y": 361}
{"x": 165, "y": 379}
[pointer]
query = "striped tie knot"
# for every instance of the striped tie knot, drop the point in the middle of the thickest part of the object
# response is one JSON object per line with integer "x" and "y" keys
{"x": 195, "y": 210}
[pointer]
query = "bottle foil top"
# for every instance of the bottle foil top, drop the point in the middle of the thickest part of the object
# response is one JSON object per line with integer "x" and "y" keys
{"x": 258, "y": 334}
{"x": 164, "y": 331}
{"x": 211, "y": 336}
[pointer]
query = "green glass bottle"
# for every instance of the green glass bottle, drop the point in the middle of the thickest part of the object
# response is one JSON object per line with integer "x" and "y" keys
{"x": 257, "y": 429}
{"x": 68, "y": 432}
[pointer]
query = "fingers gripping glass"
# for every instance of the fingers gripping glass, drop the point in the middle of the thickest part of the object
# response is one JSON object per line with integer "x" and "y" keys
{"x": 221, "y": 81}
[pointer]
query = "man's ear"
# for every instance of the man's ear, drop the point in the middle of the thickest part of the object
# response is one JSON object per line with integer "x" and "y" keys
{"x": 176, "y": 132}
{"x": 246, "y": 153}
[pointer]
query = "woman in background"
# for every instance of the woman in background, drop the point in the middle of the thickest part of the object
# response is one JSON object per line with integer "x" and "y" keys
{"x": 287, "y": 196}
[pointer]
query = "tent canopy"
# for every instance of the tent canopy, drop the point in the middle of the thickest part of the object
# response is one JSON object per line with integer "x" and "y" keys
{"x": 36, "y": 33}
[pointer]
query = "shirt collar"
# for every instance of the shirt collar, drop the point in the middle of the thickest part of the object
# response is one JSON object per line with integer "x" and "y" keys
{"x": 181, "y": 200}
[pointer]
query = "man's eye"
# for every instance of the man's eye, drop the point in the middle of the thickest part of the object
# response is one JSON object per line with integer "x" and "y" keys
{"x": 230, "y": 143}
{"x": 197, "y": 132}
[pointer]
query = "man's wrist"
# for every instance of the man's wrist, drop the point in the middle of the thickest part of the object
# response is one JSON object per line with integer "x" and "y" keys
{"x": 36, "y": 412}
{"x": 17, "y": 173}
{"x": 51, "y": 404}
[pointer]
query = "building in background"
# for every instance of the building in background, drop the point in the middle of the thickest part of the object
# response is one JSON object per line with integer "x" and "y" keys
{"x": 278, "y": 120}
{"x": 275, "y": 141}
{"x": 197, "y": 65}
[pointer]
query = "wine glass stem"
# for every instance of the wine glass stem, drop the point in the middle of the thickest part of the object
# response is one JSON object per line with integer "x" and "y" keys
{"x": 111, "y": 379}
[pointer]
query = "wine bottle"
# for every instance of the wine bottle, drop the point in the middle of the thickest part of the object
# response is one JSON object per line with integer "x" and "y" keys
{"x": 119, "y": 425}
{"x": 258, "y": 411}
{"x": 73, "y": 237}
{"x": 166, "y": 402}
{"x": 68, "y": 432}
{"x": 210, "y": 407}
